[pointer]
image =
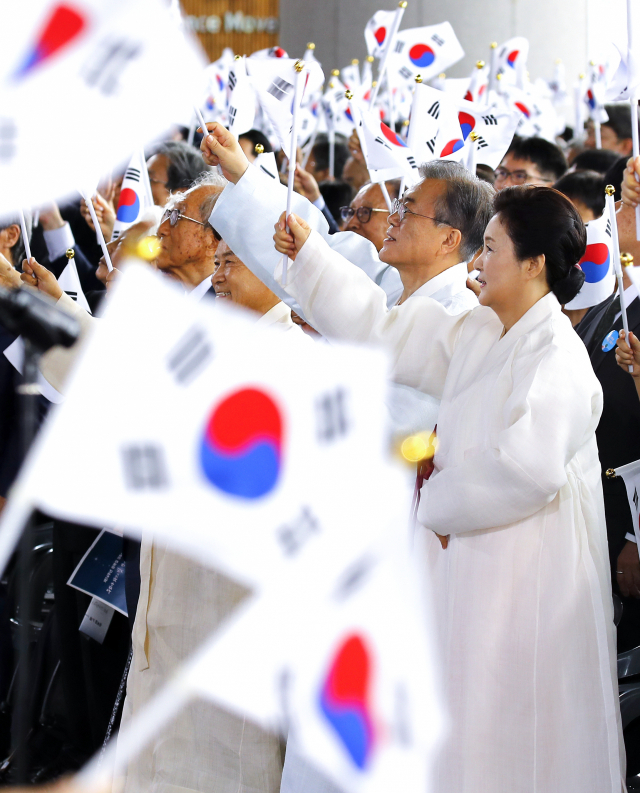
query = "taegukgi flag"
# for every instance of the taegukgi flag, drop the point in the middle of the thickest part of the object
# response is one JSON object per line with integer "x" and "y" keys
{"x": 377, "y": 32}
{"x": 241, "y": 99}
{"x": 630, "y": 473}
{"x": 134, "y": 197}
{"x": 386, "y": 154}
{"x": 230, "y": 442}
{"x": 511, "y": 60}
{"x": 426, "y": 51}
{"x": 597, "y": 265}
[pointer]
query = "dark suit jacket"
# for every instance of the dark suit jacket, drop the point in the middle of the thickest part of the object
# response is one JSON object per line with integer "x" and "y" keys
{"x": 86, "y": 271}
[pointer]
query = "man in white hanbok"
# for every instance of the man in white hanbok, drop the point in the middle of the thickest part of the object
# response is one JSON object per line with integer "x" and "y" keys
{"x": 522, "y": 591}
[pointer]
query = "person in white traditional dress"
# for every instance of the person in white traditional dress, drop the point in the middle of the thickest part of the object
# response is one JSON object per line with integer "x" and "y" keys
{"x": 522, "y": 592}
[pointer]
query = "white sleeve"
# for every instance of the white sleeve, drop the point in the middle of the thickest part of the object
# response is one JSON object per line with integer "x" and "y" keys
{"x": 342, "y": 303}
{"x": 631, "y": 537}
{"x": 549, "y": 416}
{"x": 56, "y": 363}
{"x": 58, "y": 241}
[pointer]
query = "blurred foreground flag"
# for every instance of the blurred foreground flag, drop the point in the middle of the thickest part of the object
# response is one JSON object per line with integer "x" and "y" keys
{"x": 230, "y": 441}
{"x": 377, "y": 31}
{"x": 102, "y": 62}
{"x": 425, "y": 51}
{"x": 597, "y": 265}
{"x": 511, "y": 61}
{"x": 134, "y": 198}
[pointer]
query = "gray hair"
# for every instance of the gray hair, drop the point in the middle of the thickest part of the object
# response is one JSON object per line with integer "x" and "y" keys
{"x": 18, "y": 252}
{"x": 185, "y": 164}
{"x": 212, "y": 180}
{"x": 466, "y": 204}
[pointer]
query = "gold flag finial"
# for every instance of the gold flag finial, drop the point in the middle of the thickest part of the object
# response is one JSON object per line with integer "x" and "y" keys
{"x": 148, "y": 248}
{"x": 494, "y": 45}
{"x": 558, "y": 61}
{"x": 402, "y": 4}
{"x": 592, "y": 63}
{"x": 474, "y": 136}
{"x": 311, "y": 46}
{"x": 374, "y": 83}
{"x": 581, "y": 76}
{"x": 70, "y": 253}
{"x": 348, "y": 94}
{"x": 335, "y": 72}
{"x": 498, "y": 77}
{"x": 298, "y": 66}
{"x": 418, "y": 78}
{"x": 370, "y": 58}
{"x": 237, "y": 57}
{"x": 259, "y": 148}
{"x": 355, "y": 62}
{"x": 406, "y": 122}
{"x": 610, "y": 189}
{"x": 610, "y": 473}
{"x": 421, "y": 446}
{"x": 626, "y": 259}
{"x": 442, "y": 75}
{"x": 480, "y": 64}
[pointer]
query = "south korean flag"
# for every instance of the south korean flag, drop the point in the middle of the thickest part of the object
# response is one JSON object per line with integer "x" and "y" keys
{"x": 597, "y": 265}
{"x": 434, "y": 132}
{"x": 241, "y": 99}
{"x": 630, "y": 473}
{"x": 386, "y": 154}
{"x": 377, "y": 31}
{"x": 426, "y": 51}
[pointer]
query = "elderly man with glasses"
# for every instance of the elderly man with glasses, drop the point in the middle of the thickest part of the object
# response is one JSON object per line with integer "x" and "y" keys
{"x": 368, "y": 212}
{"x": 187, "y": 241}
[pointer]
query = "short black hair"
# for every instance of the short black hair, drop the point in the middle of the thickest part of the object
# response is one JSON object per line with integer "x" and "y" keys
{"x": 546, "y": 156}
{"x": 599, "y": 160}
{"x": 619, "y": 119}
{"x": 185, "y": 164}
{"x": 466, "y": 204}
{"x": 336, "y": 194}
{"x": 256, "y": 137}
{"x": 542, "y": 221}
{"x": 585, "y": 186}
{"x": 320, "y": 154}
{"x": 615, "y": 175}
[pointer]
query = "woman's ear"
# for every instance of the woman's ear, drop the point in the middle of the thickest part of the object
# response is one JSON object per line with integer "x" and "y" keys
{"x": 535, "y": 266}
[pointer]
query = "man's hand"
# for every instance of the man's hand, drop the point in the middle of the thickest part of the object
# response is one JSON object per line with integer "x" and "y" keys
{"x": 354, "y": 147}
{"x": 219, "y": 147}
{"x": 630, "y": 185}
{"x": 306, "y": 185}
{"x": 50, "y": 217}
{"x": 628, "y": 571}
{"x": 38, "y": 277}
{"x": 290, "y": 243}
{"x": 105, "y": 213}
{"x": 9, "y": 276}
{"x": 626, "y": 355}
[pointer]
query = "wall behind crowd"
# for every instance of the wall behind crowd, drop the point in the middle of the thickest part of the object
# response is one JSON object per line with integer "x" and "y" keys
{"x": 573, "y": 30}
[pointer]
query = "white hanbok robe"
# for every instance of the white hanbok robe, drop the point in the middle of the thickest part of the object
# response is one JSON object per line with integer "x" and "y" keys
{"x": 522, "y": 594}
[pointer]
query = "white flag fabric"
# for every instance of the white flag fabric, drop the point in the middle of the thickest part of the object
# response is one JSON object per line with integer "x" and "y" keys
{"x": 495, "y": 128}
{"x": 377, "y": 31}
{"x": 434, "y": 131}
{"x": 336, "y": 109}
{"x": 241, "y": 102}
{"x": 386, "y": 154}
{"x": 539, "y": 117}
{"x": 426, "y": 51}
{"x": 631, "y": 476}
{"x": 351, "y": 77}
{"x": 267, "y": 162}
{"x": 511, "y": 62}
{"x": 104, "y": 58}
{"x": 231, "y": 443}
{"x": 478, "y": 85}
{"x": 620, "y": 83}
{"x": 597, "y": 265}
{"x": 134, "y": 198}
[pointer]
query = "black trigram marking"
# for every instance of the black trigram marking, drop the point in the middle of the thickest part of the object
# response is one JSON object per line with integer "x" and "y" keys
{"x": 232, "y": 115}
{"x": 133, "y": 174}
{"x": 431, "y": 145}
{"x": 105, "y": 68}
{"x": 635, "y": 498}
{"x": 481, "y": 143}
{"x": 331, "y": 412}
{"x": 8, "y": 136}
{"x": 273, "y": 176}
{"x": 72, "y": 295}
{"x": 412, "y": 161}
{"x": 383, "y": 143}
{"x": 434, "y": 110}
{"x": 232, "y": 80}
{"x": 294, "y": 535}
{"x": 355, "y": 575}
{"x": 144, "y": 467}
{"x": 399, "y": 46}
{"x": 280, "y": 89}
{"x": 608, "y": 227}
{"x": 437, "y": 40}
{"x": 490, "y": 120}
{"x": 405, "y": 72}
{"x": 190, "y": 356}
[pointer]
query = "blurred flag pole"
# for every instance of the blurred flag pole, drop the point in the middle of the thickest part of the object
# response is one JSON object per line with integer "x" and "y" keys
{"x": 297, "y": 95}
{"x": 617, "y": 266}
{"x": 387, "y": 51}
{"x": 99, "y": 234}
{"x": 578, "y": 133}
{"x": 413, "y": 128}
{"x": 493, "y": 68}
{"x": 25, "y": 236}
{"x": 598, "y": 133}
{"x": 633, "y": 99}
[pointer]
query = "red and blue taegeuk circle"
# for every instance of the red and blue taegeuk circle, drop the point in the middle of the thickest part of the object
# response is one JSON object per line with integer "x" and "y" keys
{"x": 128, "y": 205}
{"x": 63, "y": 25}
{"x": 380, "y": 35}
{"x": 241, "y": 446}
{"x": 512, "y": 57}
{"x": 344, "y": 698}
{"x": 452, "y": 147}
{"x": 392, "y": 136}
{"x": 421, "y": 55}
{"x": 467, "y": 124}
{"x": 523, "y": 109}
{"x": 595, "y": 262}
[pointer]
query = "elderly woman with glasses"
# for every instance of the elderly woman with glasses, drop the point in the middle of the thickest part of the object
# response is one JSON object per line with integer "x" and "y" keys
{"x": 512, "y": 517}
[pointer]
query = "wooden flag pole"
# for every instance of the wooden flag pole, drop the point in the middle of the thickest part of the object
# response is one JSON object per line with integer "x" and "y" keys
{"x": 299, "y": 68}
{"x": 617, "y": 266}
{"x": 395, "y": 27}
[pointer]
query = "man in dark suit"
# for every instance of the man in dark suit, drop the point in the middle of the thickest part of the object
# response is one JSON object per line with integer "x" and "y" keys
{"x": 618, "y": 434}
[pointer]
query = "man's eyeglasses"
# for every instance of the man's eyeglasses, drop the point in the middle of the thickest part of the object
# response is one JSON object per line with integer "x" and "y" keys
{"x": 517, "y": 177}
{"x": 401, "y": 210}
{"x": 174, "y": 215}
{"x": 362, "y": 213}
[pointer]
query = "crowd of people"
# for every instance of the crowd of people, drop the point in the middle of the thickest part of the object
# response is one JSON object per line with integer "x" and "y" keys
{"x": 526, "y": 544}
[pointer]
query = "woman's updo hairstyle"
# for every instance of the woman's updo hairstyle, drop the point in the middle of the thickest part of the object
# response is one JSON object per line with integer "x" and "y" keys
{"x": 540, "y": 220}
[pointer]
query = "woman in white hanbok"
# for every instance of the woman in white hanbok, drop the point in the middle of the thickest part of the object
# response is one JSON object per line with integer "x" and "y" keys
{"x": 522, "y": 591}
